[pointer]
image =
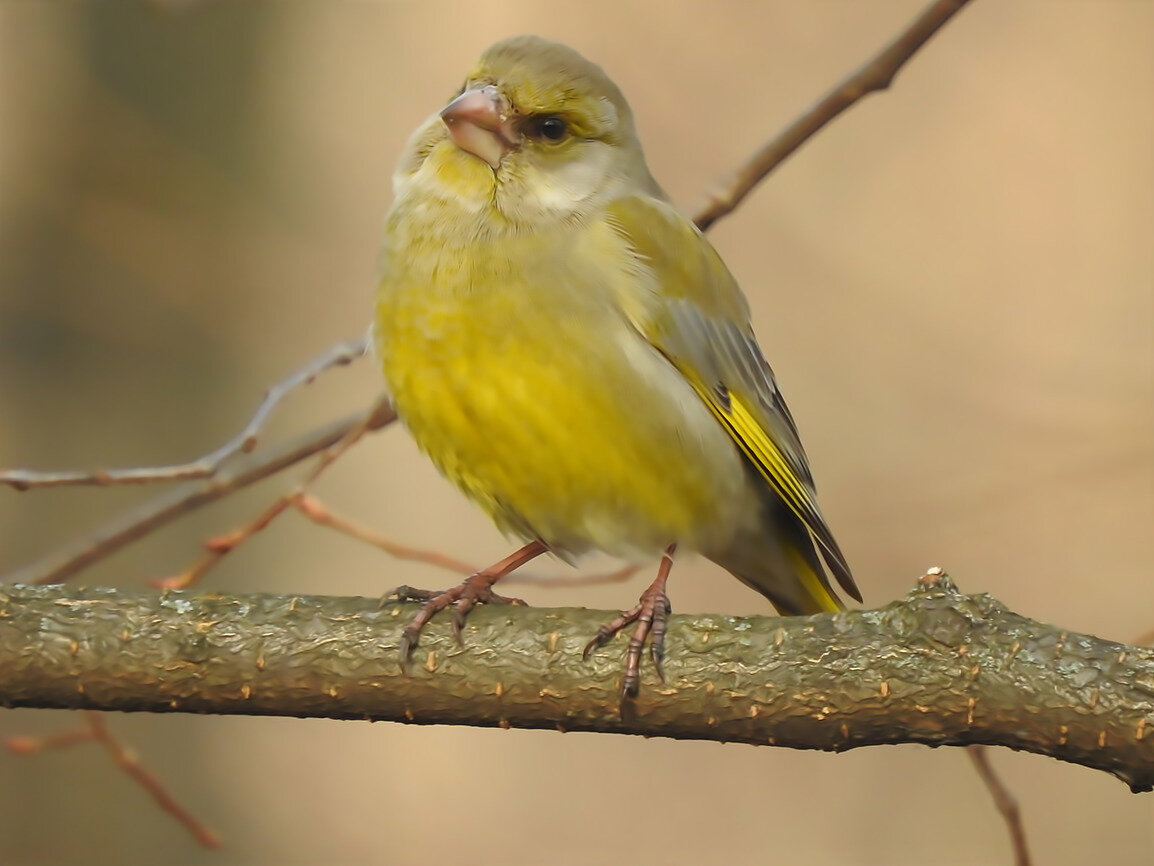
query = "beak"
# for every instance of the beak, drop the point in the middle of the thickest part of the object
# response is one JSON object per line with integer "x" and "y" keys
{"x": 480, "y": 122}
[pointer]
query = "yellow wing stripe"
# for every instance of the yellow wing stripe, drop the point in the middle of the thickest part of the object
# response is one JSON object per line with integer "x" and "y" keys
{"x": 756, "y": 444}
{"x": 767, "y": 455}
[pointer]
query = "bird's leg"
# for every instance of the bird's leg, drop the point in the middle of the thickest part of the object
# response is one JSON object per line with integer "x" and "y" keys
{"x": 651, "y": 614}
{"x": 477, "y": 588}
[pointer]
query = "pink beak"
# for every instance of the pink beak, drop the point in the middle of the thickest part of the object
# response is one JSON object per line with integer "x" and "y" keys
{"x": 479, "y": 123}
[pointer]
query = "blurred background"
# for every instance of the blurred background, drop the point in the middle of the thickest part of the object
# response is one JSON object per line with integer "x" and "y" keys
{"x": 954, "y": 283}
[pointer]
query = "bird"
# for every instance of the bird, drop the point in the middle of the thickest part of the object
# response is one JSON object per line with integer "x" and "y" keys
{"x": 571, "y": 352}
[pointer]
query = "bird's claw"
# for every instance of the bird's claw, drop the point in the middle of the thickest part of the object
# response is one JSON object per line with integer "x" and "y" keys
{"x": 475, "y": 589}
{"x": 651, "y": 613}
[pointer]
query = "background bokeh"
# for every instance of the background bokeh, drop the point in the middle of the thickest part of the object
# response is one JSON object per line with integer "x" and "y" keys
{"x": 955, "y": 284}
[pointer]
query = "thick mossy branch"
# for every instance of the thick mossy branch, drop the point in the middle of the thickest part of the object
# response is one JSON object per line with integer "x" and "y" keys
{"x": 938, "y": 668}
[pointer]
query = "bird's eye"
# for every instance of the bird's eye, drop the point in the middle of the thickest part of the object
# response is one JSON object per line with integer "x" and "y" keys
{"x": 548, "y": 127}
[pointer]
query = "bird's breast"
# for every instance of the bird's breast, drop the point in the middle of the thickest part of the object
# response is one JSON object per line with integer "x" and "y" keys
{"x": 515, "y": 370}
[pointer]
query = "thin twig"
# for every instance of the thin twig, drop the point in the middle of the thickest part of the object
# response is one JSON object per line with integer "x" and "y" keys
{"x": 322, "y": 515}
{"x": 219, "y": 547}
{"x": 244, "y": 442}
{"x": 873, "y": 76}
{"x": 127, "y": 761}
{"x": 95, "y": 729}
{"x": 29, "y": 745}
{"x": 89, "y": 549}
{"x": 1005, "y": 802}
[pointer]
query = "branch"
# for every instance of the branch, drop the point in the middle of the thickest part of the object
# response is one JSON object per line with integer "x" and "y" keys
{"x": 127, "y": 761}
{"x": 95, "y": 729}
{"x": 937, "y": 668}
{"x": 1004, "y": 802}
{"x": 139, "y": 522}
{"x": 875, "y": 75}
{"x": 342, "y": 354}
{"x": 221, "y": 546}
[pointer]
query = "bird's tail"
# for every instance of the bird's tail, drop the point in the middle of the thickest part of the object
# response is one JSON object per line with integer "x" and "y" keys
{"x": 778, "y": 560}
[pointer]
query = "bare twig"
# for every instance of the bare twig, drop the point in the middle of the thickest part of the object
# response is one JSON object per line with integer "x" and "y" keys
{"x": 322, "y": 515}
{"x": 77, "y": 555}
{"x": 219, "y": 547}
{"x": 95, "y": 729}
{"x": 28, "y": 745}
{"x": 203, "y": 467}
{"x": 873, "y": 76}
{"x": 1005, "y": 802}
{"x": 130, "y": 764}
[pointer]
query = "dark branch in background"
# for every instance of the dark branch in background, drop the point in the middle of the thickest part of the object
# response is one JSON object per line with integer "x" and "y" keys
{"x": 875, "y": 75}
{"x": 938, "y": 668}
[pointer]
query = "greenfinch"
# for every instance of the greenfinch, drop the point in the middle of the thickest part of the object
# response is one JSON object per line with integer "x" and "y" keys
{"x": 572, "y": 353}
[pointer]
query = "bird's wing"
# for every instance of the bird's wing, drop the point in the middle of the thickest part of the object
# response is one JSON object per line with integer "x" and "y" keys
{"x": 698, "y": 318}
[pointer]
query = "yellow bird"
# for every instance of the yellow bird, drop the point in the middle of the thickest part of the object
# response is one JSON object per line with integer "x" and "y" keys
{"x": 572, "y": 352}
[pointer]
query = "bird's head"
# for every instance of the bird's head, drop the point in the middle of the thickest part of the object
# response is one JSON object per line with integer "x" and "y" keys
{"x": 537, "y": 133}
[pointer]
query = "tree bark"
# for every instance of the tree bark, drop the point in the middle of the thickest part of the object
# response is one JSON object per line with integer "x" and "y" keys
{"x": 938, "y": 668}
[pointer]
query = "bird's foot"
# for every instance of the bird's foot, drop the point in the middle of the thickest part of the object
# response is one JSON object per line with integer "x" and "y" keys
{"x": 473, "y": 590}
{"x": 651, "y": 613}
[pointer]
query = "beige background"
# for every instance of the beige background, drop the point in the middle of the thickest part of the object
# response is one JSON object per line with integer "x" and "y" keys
{"x": 954, "y": 283}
